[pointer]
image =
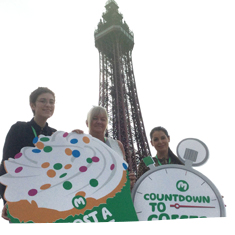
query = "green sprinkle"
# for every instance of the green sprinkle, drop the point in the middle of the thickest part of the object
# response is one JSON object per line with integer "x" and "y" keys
{"x": 47, "y": 149}
{"x": 58, "y": 166}
{"x": 44, "y": 139}
{"x": 93, "y": 182}
{"x": 67, "y": 185}
{"x": 63, "y": 175}
{"x": 89, "y": 160}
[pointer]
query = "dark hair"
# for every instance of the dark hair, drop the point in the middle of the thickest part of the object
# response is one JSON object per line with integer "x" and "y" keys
{"x": 159, "y": 128}
{"x": 40, "y": 90}
{"x": 170, "y": 153}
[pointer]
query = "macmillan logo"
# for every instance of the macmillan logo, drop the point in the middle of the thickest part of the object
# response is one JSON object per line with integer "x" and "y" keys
{"x": 182, "y": 186}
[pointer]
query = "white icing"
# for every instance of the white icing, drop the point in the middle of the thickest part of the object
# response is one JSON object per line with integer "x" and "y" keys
{"x": 33, "y": 175}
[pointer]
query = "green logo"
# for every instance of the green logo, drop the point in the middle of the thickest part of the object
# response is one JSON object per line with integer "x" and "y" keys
{"x": 182, "y": 186}
{"x": 79, "y": 202}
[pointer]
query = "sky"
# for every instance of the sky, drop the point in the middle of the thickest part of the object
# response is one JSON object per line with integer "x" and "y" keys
{"x": 183, "y": 60}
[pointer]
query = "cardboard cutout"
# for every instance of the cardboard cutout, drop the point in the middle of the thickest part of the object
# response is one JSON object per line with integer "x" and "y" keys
{"x": 176, "y": 191}
{"x": 68, "y": 177}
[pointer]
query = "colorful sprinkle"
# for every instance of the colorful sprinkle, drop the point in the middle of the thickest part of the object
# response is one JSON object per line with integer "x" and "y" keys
{"x": 67, "y": 185}
{"x": 63, "y": 175}
{"x": 65, "y": 134}
{"x": 47, "y": 149}
{"x": 32, "y": 192}
{"x": 86, "y": 140}
{"x": 83, "y": 169}
{"x": 45, "y": 165}
{"x": 36, "y": 151}
{"x": 73, "y": 141}
{"x": 57, "y": 166}
{"x": 51, "y": 173}
{"x": 44, "y": 139}
{"x": 89, "y": 160}
{"x": 93, "y": 182}
{"x": 35, "y": 140}
{"x": 19, "y": 169}
{"x": 76, "y": 153}
{"x": 124, "y": 166}
{"x": 112, "y": 167}
{"x": 18, "y": 155}
{"x": 39, "y": 145}
{"x": 45, "y": 186}
{"x": 95, "y": 159}
{"x": 68, "y": 152}
{"x": 68, "y": 166}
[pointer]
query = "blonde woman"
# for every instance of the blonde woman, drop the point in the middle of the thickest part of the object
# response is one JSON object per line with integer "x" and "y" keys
{"x": 97, "y": 121}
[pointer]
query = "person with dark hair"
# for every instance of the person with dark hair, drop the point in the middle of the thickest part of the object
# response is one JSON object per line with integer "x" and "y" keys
{"x": 160, "y": 141}
{"x": 22, "y": 134}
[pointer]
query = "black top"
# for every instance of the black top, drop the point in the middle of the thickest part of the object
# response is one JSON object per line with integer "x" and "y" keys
{"x": 21, "y": 135}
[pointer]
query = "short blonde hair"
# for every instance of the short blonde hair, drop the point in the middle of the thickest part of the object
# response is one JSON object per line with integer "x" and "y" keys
{"x": 96, "y": 110}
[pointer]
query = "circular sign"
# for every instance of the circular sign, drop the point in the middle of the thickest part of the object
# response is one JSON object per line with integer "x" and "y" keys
{"x": 194, "y": 150}
{"x": 176, "y": 192}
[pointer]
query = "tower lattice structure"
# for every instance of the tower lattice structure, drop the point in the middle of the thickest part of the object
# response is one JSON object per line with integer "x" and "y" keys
{"x": 117, "y": 87}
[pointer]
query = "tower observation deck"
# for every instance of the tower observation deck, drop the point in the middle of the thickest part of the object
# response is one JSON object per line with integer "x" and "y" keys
{"x": 117, "y": 88}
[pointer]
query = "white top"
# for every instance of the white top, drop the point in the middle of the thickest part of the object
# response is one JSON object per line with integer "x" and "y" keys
{"x": 113, "y": 144}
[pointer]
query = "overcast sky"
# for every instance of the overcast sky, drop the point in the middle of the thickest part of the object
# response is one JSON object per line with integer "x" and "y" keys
{"x": 183, "y": 60}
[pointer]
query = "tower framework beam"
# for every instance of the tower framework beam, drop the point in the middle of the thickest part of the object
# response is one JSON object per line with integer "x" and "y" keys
{"x": 117, "y": 86}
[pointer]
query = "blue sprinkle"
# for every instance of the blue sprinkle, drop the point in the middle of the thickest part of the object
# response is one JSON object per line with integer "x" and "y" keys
{"x": 35, "y": 140}
{"x": 36, "y": 151}
{"x": 76, "y": 153}
{"x": 73, "y": 141}
{"x": 124, "y": 166}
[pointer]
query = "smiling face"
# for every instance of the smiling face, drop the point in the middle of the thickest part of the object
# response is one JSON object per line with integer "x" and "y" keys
{"x": 160, "y": 141}
{"x": 44, "y": 106}
{"x": 98, "y": 123}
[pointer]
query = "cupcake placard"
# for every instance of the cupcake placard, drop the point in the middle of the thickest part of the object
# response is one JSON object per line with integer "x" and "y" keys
{"x": 68, "y": 177}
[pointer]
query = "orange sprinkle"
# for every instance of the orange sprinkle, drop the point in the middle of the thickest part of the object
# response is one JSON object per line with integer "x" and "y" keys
{"x": 45, "y": 186}
{"x": 51, "y": 173}
{"x": 39, "y": 145}
{"x": 86, "y": 140}
{"x": 45, "y": 165}
{"x": 68, "y": 166}
{"x": 68, "y": 151}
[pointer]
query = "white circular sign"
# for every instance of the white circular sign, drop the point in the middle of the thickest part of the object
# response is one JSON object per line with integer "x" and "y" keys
{"x": 194, "y": 150}
{"x": 176, "y": 192}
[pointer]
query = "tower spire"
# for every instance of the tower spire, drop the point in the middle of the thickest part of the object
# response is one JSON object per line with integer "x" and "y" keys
{"x": 117, "y": 89}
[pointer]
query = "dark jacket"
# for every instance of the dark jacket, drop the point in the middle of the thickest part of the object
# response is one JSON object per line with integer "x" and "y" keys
{"x": 20, "y": 135}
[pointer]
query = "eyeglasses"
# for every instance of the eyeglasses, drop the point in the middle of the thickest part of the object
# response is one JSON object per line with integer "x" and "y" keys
{"x": 45, "y": 101}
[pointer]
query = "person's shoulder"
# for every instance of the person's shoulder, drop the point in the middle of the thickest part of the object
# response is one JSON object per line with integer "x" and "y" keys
{"x": 52, "y": 129}
{"x": 19, "y": 125}
{"x": 119, "y": 142}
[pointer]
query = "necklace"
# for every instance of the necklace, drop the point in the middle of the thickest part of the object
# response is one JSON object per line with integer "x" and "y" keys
{"x": 159, "y": 163}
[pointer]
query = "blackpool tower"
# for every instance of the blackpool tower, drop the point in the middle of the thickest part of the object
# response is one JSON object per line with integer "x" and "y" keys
{"x": 117, "y": 87}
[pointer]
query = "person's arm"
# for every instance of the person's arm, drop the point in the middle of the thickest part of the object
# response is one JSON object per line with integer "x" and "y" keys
{"x": 78, "y": 131}
{"x": 11, "y": 147}
{"x": 13, "y": 142}
{"x": 142, "y": 168}
{"x": 4, "y": 212}
{"x": 122, "y": 148}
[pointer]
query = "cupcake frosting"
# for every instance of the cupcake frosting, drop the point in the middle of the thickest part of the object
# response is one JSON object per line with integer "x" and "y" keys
{"x": 59, "y": 167}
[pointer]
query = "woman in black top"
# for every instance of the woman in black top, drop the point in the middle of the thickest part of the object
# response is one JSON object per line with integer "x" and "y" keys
{"x": 160, "y": 141}
{"x": 22, "y": 134}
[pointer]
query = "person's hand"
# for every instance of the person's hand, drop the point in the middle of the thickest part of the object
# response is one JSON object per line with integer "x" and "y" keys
{"x": 78, "y": 131}
{"x": 132, "y": 178}
{"x": 4, "y": 212}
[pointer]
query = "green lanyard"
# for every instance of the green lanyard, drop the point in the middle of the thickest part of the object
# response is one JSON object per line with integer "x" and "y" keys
{"x": 35, "y": 133}
{"x": 35, "y": 139}
{"x": 159, "y": 163}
